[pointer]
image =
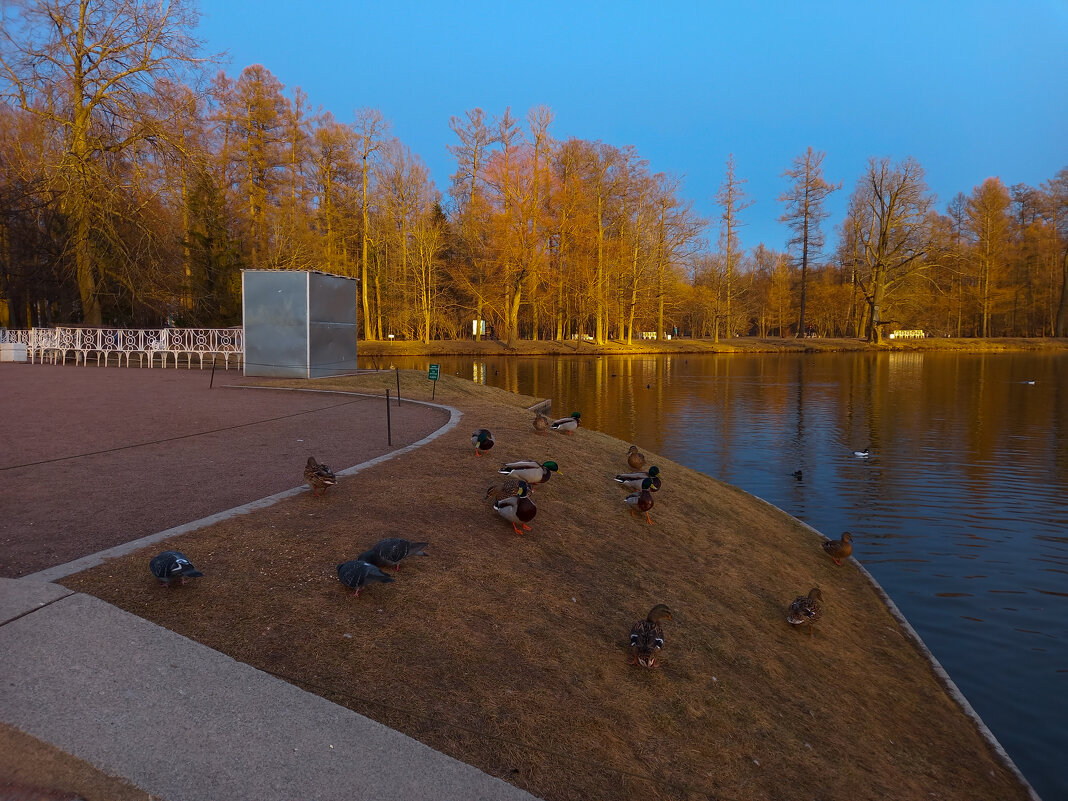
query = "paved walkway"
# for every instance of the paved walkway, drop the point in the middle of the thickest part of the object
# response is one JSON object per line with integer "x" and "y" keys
{"x": 92, "y": 457}
{"x": 178, "y": 719}
{"x": 187, "y": 723}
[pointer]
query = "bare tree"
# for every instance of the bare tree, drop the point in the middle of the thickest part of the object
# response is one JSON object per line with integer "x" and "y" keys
{"x": 1056, "y": 191}
{"x": 890, "y": 205}
{"x": 987, "y": 220}
{"x": 733, "y": 200}
{"x": 804, "y": 212}
{"x": 371, "y": 127}
{"x": 471, "y": 155}
{"x": 88, "y": 67}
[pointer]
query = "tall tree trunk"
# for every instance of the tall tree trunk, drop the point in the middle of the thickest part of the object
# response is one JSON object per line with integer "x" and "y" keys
{"x": 1061, "y": 329}
{"x": 599, "y": 288}
{"x": 368, "y": 331}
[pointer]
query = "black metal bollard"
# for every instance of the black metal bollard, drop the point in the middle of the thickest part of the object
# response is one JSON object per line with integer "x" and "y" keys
{"x": 389, "y": 424}
{"x": 212, "y": 382}
{"x": 397, "y": 370}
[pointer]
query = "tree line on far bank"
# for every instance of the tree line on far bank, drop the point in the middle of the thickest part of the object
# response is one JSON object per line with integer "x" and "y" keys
{"x": 129, "y": 197}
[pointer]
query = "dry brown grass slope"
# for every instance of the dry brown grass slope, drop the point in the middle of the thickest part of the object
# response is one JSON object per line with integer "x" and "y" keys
{"x": 509, "y": 652}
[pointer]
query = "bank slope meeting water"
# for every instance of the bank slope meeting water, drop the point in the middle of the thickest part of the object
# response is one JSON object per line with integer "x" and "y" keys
{"x": 960, "y": 510}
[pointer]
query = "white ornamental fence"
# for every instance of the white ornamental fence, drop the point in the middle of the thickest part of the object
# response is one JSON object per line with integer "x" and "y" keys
{"x": 147, "y": 344}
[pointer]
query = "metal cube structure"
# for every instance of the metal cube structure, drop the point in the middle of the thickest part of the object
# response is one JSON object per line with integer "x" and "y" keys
{"x": 298, "y": 324}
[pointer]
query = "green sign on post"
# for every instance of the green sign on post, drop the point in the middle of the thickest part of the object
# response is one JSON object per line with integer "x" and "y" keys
{"x": 432, "y": 374}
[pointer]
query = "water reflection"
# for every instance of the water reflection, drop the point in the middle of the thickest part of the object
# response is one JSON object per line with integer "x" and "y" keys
{"x": 960, "y": 508}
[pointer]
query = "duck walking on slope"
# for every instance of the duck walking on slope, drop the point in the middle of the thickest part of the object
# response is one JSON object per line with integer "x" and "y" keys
{"x": 641, "y": 501}
{"x": 567, "y": 424}
{"x": 634, "y": 481}
{"x": 508, "y": 488}
{"x": 318, "y": 476}
{"x": 517, "y": 510}
{"x": 391, "y": 551}
{"x": 357, "y": 574}
{"x": 806, "y": 609}
{"x": 635, "y": 458}
{"x": 530, "y": 471}
{"x": 170, "y": 566}
{"x": 541, "y": 423}
{"x": 647, "y": 637}
{"x": 481, "y": 440}
{"x": 839, "y": 549}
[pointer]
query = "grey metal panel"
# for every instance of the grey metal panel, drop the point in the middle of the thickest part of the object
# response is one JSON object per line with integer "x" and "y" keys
{"x": 275, "y": 305}
{"x": 331, "y": 325}
{"x": 299, "y": 324}
{"x": 332, "y": 300}
{"x": 333, "y": 349}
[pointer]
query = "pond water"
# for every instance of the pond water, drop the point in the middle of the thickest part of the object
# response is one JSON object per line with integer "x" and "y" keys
{"x": 960, "y": 512}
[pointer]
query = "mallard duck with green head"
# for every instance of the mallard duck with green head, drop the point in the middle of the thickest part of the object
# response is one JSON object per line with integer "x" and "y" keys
{"x": 566, "y": 424}
{"x": 507, "y": 489}
{"x": 806, "y": 609}
{"x": 634, "y": 481}
{"x": 517, "y": 510}
{"x": 647, "y": 637}
{"x": 530, "y": 471}
{"x": 641, "y": 501}
{"x": 481, "y": 440}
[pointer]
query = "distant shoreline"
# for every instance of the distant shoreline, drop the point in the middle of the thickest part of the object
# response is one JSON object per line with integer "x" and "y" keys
{"x": 469, "y": 347}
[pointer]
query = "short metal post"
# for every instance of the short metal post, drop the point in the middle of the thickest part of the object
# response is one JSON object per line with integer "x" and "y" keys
{"x": 389, "y": 425}
{"x": 397, "y": 370}
{"x": 212, "y": 382}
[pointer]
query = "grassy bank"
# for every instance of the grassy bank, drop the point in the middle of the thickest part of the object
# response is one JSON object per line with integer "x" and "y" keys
{"x": 462, "y": 347}
{"x": 509, "y": 652}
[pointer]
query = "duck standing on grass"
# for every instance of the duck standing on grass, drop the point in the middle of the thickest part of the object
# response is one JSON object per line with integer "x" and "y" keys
{"x": 506, "y": 489}
{"x": 318, "y": 476}
{"x": 634, "y": 481}
{"x": 357, "y": 574}
{"x": 647, "y": 637}
{"x": 567, "y": 424}
{"x": 481, "y": 440}
{"x": 635, "y": 458}
{"x": 171, "y": 566}
{"x": 641, "y": 500}
{"x": 541, "y": 423}
{"x": 839, "y": 549}
{"x": 530, "y": 471}
{"x": 806, "y": 609}
{"x": 517, "y": 510}
{"x": 389, "y": 552}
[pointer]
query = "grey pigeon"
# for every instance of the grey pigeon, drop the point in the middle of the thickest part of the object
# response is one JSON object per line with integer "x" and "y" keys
{"x": 389, "y": 552}
{"x": 172, "y": 565}
{"x": 357, "y": 574}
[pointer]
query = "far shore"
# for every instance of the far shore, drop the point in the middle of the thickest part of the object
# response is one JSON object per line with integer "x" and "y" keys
{"x": 572, "y": 347}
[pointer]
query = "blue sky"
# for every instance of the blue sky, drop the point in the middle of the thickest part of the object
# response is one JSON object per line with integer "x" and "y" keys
{"x": 970, "y": 89}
